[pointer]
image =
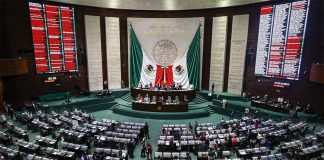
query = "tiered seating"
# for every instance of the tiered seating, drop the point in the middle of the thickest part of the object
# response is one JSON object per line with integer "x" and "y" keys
{"x": 110, "y": 141}
{"x": 72, "y": 136}
{"x": 112, "y": 138}
{"x": 204, "y": 155}
{"x": 35, "y": 157}
{"x": 110, "y": 153}
{"x": 8, "y": 152}
{"x": 85, "y": 130}
{"x": 309, "y": 152}
{"x": 294, "y": 145}
{"x": 4, "y": 138}
{"x": 46, "y": 142}
{"x": 66, "y": 120}
{"x": 297, "y": 127}
{"x": 59, "y": 153}
{"x": 26, "y": 146}
{"x": 92, "y": 126}
{"x": 77, "y": 148}
{"x": 121, "y": 135}
{"x": 170, "y": 155}
{"x": 16, "y": 131}
{"x": 267, "y": 157}
{"x": 54, "y": 122}
{"x": 42, "y": 127}
{"x": 250, "y": 152}
{"x": 133, "y": 124}
{"x": 320, "y": 135}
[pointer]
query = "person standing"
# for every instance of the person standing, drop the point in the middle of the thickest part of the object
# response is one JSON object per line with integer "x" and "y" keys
{"x": 232, "y": 115}
{"x": 141, "y": 134}
{"x": 11, "y": 112}
{"x": 146, "y": 131}
{"x": 131, "y": 147}
{"x": 224, "y": 103}
{"x": 85, "y": 156}
{"x": 143, "y": 149}
{"x": 149, "y": 150}
{"x": 188, "y": 157}
{"x": 213, "y": 86}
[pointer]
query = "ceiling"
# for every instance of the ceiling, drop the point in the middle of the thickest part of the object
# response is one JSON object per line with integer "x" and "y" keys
{"x": 161, "y": 5}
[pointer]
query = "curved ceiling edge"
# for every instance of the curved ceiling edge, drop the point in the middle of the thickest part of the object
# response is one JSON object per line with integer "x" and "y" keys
{"x": 160, "y": 5}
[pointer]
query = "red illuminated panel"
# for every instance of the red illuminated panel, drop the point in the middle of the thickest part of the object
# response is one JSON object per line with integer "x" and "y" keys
{"x": 53, "y": 37}
{"x": 280, "y": 39}
{"x": 68, "y": 38}
{"x": 266, "y": 10}
{"x": 39, "y": 37}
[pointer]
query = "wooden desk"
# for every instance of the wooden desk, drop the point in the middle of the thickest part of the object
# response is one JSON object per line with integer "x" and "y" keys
{"x": 268, "y": 106}
{"x": 160, "y": 107}
{"x": 191, "y": 94}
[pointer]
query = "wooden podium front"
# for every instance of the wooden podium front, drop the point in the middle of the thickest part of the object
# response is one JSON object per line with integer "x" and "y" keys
{"x": 160, "y": 107}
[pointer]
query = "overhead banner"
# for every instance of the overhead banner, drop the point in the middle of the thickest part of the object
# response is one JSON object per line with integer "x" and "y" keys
{"x": 164, "y": 44}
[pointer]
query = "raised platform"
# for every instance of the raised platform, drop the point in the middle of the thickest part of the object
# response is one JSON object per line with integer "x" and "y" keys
{"x": 197, "y": 108}
{"x": 86, "y": 103}
{"x": 191, "y": 114}
{"x": 222, "y": 95}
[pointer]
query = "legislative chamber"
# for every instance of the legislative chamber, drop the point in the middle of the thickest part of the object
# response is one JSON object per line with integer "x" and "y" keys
{"x": 161, "y": 79}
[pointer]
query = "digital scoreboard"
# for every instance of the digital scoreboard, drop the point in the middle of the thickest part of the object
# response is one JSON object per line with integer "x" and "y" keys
{"x": 280, "y": 39}
{"x": 54, "y": 38}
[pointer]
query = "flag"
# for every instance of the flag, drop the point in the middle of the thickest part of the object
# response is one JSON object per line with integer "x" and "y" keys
{"x": 185, "y": 71}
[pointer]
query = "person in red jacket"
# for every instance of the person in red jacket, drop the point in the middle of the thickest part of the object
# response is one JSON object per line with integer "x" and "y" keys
{"x": 234, "y": 142}
{"x": 164, "y": 132}
{"x": 149, "y": 151}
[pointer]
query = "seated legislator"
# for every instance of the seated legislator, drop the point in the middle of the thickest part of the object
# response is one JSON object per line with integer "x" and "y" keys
{"x": 138, "y": 98}
{"x": 147, "y": 99}
{"x": 176, "y": 100}
{"x": 161, "y": 99}
{"x": 169, "y": 100}
{"x": 153, "y": 100}
{"x": 185, "y": 98}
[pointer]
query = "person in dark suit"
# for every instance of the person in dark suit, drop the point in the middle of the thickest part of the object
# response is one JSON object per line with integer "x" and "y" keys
{"x": 146, "y": 131}
{"x": 213, "y": 86}
{"x": 130, "y": 148}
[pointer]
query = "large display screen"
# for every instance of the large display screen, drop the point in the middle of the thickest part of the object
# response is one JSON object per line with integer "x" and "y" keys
{"x": 280, "y": 39}
{"x": 54, "y": 38}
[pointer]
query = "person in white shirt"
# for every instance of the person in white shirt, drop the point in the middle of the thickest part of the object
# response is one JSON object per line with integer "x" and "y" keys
{"x": 147, "y": 99}
{"x": 153, "y": 99}
{"x": 224, "y": 103}
{"x": 176, "y": 100}
{"x": 169, "y": 100}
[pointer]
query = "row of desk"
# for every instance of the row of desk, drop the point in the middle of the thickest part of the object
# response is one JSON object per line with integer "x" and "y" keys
{"x": 268, "y": 106}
